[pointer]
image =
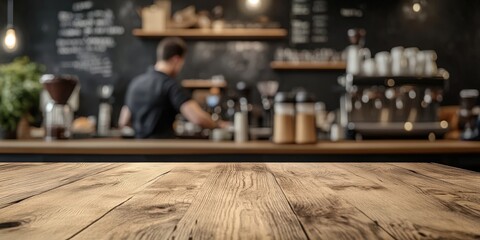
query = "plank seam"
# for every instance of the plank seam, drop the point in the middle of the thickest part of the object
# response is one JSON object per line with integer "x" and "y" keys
{"x": 190, "y": 205}
{"x": 430, "y": 177}
{"x": 120, "y": 204}
{"x": 155, "y": 178}
{"x": 51, "y": 189}
{"x": 289, "y": 204}
{"x": 374, "y": 221}
{"x": 98, "y": 219}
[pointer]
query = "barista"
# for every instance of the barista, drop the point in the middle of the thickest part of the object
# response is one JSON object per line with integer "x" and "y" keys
{"x": 154, "y": 98}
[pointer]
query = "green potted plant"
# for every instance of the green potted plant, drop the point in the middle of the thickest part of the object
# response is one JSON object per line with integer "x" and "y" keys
{"x": 19, "y": 94}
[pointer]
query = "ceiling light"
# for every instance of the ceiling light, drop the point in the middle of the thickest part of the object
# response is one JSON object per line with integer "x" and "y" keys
{"x": 10, "y": 41}
{"x": 253, "y": 4}
{"x": 417, "y": 7}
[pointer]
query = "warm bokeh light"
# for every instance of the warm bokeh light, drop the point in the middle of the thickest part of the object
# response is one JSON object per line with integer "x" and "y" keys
{"x": 253, "y": 4}
{"x": 408, "y": 126}
{"x": 444, "y": 124}
{"x": 417, "y": 7}
{"x": 10, "y": 41}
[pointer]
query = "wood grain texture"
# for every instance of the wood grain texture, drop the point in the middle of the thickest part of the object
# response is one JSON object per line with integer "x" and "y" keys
{"x": 323, "y": 214}
{"x": 194, "y": 147}
{"x": 154, "y": 212}
{"x": 243, "y": 201}
{"x": 459, "y": 177}
{"x": 19, "y": 181}
{"x": 61, "y": 213}
{"x": 239, "y": 201}
{"x": 409, "y": 211}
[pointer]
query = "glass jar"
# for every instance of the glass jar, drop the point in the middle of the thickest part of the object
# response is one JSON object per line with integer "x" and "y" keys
{"x": 305, "y": 129}
{"x": 58, "y": 121}
{"x": 284, "y": 119}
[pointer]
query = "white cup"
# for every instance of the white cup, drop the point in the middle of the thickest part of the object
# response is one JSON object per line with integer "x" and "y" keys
{"x": 369, "y": 67}
{"x": 399, "y": 61}
{"x": 241, "y": 127}
{"x": 431, "y": 68}
{"x": 420, "y": 67}
{"x": 355, "y": 59}
{"x": 411, "y": 56}
{"x": 383, "y": 61}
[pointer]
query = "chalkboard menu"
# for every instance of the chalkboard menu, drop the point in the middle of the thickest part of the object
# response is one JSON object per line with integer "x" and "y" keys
{"x": 309, "y": 21}
{"x": 89, "y": 39}
{"x": 85, "y": 36}
{"x": 324, "y": 23}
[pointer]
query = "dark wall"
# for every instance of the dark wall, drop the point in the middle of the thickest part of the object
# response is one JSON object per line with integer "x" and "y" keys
{"x": 452, "y": 28}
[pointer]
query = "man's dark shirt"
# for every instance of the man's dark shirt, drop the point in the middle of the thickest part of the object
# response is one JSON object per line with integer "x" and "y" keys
{"x": 154, "y": 99}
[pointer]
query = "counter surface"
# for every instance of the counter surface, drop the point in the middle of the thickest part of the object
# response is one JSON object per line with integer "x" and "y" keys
{"x": 189, "y": 147}
{"x": 238, "y": 201}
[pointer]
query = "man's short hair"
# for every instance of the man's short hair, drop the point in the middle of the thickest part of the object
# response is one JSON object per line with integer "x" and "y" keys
{"x": 170, "y": 47}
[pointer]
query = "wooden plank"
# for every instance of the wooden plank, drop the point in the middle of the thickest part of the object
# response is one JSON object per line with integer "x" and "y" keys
{"x": 233, "y": 33}
{"x": 323, "y": 214}
{"x": 154, "y": 212}
{"x": 19, "y": 181}
{"x": 445, "y": 173}
{"x": 195, "y": 147}
{"x": 405, "y": 210}
{"x": 62, "y": 212}
{"x": 239, "y": 201}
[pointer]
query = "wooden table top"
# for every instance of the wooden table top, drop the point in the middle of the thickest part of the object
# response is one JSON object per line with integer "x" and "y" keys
{"x": 192, "y": 147}
{"x": 238, "y": 201}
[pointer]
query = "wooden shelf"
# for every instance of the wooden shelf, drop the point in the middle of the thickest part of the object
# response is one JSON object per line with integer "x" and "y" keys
{"x": 234, "y": 33}
{"x": 194, "y": 83}
{"x": 315, "y": 66}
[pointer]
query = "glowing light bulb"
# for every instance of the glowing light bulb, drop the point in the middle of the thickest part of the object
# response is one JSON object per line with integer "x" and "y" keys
{"x": 10, "y": 41}
{"x": 253, "y": 4}
{"x": 417, "y": 7}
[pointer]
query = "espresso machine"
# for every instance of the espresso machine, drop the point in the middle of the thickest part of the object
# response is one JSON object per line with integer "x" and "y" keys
{"x": 392, "y": 107}
{"x": 58, "y": 113}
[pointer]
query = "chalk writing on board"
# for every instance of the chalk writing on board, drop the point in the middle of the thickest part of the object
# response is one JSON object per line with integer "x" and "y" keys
{"x": 300, "y": 7}
{"x": 351, "y": 12}
{"x": 300, "y": 24}
{"x": 319, "y": 21}
{"x": 300, "y": 31}
{"x": 309, "y": 22}
{"x": 87, "y": 34}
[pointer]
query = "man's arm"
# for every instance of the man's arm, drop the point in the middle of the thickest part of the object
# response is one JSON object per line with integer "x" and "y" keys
{"x": 192, "y": 111}
{"x": 125, "y": 117}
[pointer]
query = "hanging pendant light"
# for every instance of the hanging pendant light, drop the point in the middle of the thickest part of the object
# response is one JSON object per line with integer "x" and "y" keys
{"x": 253, "y": 4}
{"x": 10, "y": 40}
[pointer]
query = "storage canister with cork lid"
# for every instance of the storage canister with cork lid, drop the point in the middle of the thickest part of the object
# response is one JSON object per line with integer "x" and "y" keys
{"x": 305, "y": 129}
{"x": 284, "y": 119}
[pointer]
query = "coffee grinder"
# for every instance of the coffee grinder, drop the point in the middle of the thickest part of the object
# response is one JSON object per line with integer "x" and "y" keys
{"x": 267, "y": 90}
{"x": 58, "y": 113}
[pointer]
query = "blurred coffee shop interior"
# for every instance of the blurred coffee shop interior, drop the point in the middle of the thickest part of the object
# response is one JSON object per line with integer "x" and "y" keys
{"x": 355, "y": 70}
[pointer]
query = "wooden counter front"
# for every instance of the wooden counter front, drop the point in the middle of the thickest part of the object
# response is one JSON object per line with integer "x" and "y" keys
{"x": 199, "y": 147}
